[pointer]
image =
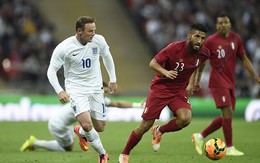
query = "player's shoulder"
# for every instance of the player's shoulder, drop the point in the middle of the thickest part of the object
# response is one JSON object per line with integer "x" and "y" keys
{"x": 68, "y": 41}
{"x": 205, "y": 51}
{"x": 64, "y": 45}
{"x": 212, "y": 37}
{"x": 234, "y": 35}
{"x": 177, "y": 44}
{"x": 98, "y": 38}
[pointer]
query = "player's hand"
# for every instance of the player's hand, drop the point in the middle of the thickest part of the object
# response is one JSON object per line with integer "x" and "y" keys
{"x": 143, "y": 103}
{"x": 196, "y": 86}
{"x": 171, "y": 74}
{"x": 189, "y": 89}
{"x": 258, "y": 79}
{"x": 63, "y": 97}
{"x": 112, "y": 88}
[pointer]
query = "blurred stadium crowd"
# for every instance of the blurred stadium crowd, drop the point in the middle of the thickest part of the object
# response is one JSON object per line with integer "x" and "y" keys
{"x": 27, "y": 40}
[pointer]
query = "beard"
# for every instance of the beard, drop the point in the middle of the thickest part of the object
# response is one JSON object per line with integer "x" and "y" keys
{"x": 194, "y": 48}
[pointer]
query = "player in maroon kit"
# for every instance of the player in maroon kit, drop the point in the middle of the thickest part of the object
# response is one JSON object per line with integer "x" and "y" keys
{"x": 225, "y": 46}
{"x": 174, "y": 66}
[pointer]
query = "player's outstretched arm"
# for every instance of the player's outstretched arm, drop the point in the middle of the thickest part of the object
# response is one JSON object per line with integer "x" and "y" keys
{"x": 247, "y": 63}
{"x": 126, "y": 104}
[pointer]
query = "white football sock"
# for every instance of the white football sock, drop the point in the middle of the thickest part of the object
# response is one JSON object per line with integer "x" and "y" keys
{"x": 200, "y": 136}
{"x": 94, "y": 140}
{"x": 82, "y": 132}
{"x": 229, "y": 148}
{"x": 51, "y": 145}
{"x": 158, "y": 131}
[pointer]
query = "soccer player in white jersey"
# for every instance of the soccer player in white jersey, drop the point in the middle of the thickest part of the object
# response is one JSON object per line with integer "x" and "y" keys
{"x": 61, "y": 126}
{"x": 80, "y": 57}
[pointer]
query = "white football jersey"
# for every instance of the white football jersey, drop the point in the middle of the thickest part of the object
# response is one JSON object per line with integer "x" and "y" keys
{"x": 81, "y": 64}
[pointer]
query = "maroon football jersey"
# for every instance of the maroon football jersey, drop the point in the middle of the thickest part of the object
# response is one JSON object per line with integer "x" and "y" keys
{"x": 223, "y": 58}
{"x": 176, "y": 56}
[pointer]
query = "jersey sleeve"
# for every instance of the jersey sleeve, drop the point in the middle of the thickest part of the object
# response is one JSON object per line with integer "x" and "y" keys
{"x": 241, "y": 50}
{"x": 56, "y": 62}
{"x": 53, "y": 79}
{"x": 107, "y": 59}
{"x": 104, "y": 48}
{"x": 162, "y": 56}
{"x": 57, "y": 58}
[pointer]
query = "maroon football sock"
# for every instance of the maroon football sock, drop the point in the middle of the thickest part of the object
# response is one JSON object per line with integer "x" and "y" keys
{"x": 169, "y": 127}
{"x": 133, "y": 140}
{"x": 227, "y": 129}
{"x": 215, "y": 125}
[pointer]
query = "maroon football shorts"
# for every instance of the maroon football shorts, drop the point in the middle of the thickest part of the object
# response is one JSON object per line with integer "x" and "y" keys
{"x": 224, "y": 97}
{"x": 154, "y": 105}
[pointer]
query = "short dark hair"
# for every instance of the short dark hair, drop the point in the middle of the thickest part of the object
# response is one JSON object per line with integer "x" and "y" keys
{"x": 222, "y": 15}
{"x": 199, "y": 27}
{"x": 81, "y": 21}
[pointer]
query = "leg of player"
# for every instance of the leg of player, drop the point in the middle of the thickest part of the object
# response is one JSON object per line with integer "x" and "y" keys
{"x": 83, "y": 142}
{"x": 93, "y": 138}
{"x": 224, "y": 121}
{"x": 198, "y": 138}
{"x": 157, "y": 137}
{"x": 227, "y": 130}
{"x": 134, "y": 139}
{"x": 87, "y": 132}
{"x": 183, "y": 119}
{"x": 32, "y": 143}
{"x": 227, "y": 105}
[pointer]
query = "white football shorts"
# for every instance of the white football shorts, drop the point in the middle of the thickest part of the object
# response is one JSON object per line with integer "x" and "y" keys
{"x": 94, "y": 103}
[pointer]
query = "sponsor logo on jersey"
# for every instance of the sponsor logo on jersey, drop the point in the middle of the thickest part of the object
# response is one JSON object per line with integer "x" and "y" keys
{"x": 94, "y": 50}
{"x": 75, "y": 54}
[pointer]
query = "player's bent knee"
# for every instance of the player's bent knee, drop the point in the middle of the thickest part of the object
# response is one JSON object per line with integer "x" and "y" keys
{"x": 87, "y": 126}
{"x": 187, "y": 122}
{"x": 100, "y": 128}
{"x": 184, "y": 121}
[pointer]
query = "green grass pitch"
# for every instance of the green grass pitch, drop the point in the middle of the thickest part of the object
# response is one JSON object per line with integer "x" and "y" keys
{"x": 175, "y": 147}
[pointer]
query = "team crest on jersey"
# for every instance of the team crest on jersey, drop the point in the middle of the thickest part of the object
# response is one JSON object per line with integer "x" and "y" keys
{"x": 94, "y": 50}
{"x": 196, "y": 63}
